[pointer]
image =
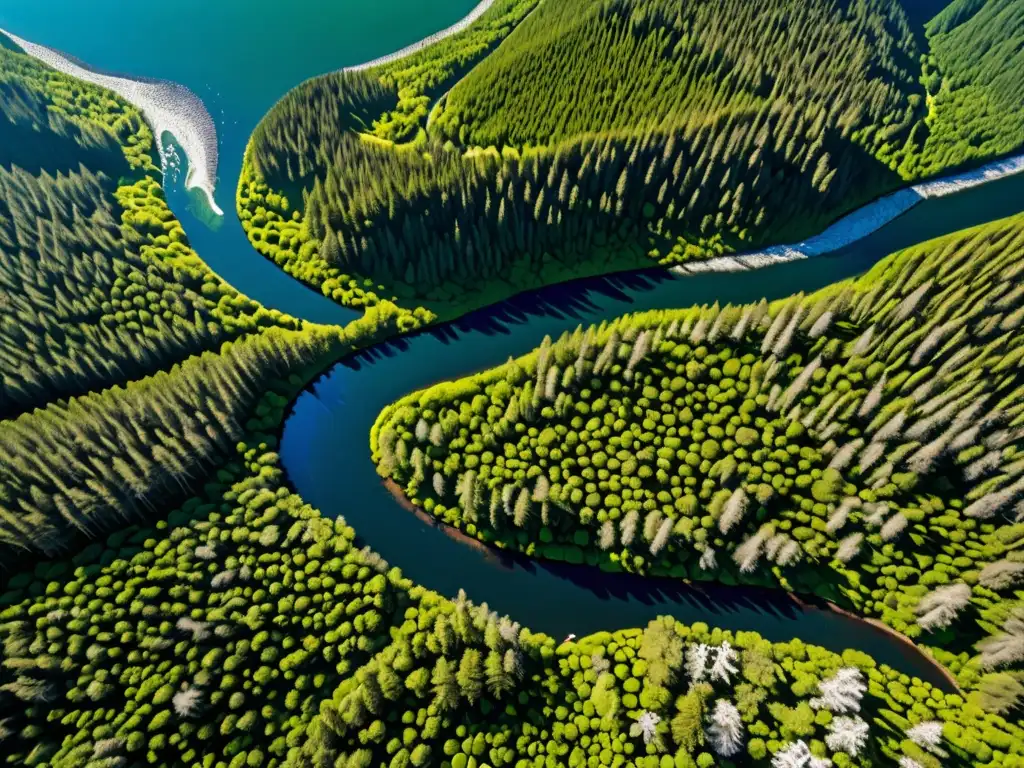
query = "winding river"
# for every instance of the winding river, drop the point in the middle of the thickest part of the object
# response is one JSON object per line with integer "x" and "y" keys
{"x": 325, "y": 440}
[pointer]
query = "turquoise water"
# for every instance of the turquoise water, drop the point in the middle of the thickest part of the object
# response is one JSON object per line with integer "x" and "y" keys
{"x": 240, "y": 57}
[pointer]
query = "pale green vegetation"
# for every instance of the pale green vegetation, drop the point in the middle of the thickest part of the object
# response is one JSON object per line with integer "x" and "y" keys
{"x": 862, "y": 443}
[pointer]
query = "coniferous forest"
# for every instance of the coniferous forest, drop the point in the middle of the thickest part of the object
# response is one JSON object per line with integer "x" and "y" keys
{"x": 167, "y": 595}
{"x": 556, "y": 139}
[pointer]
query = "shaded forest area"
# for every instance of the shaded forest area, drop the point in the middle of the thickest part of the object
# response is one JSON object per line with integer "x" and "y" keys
{"x": 99, "y": 283}
{"x": 613, "y": 135}
{"x": 864, "y": 443}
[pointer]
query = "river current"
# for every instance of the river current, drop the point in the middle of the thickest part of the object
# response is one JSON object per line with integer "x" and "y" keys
{"x": 237, "y": 57}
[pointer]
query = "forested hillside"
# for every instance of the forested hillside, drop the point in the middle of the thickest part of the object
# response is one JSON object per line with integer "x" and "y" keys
{"x": 863, "y": 443}
{"x": 617, "y": 134}
{"x": 167, "y": 599}
{"x": 99, "y": 283}
{"x": 975, "y": 80}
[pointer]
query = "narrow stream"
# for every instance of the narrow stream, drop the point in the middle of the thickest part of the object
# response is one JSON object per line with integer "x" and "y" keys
{"x": 220, "y": 51}
{"x": 325, "y": 446}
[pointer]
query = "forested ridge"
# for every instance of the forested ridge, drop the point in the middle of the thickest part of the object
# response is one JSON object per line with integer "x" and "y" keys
{"x": 613, "y": 135}
{"x": 862, "y": 444}
{"x": 99, "y": 283}
{"x": 975, "y": 80}
{"x": 173, "y": 602}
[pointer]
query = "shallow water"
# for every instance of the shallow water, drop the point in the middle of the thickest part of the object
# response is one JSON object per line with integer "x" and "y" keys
{"x": 240, "y": 57}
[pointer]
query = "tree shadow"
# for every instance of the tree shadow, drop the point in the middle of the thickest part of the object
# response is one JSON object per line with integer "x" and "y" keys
{"x": 30, "y": 142}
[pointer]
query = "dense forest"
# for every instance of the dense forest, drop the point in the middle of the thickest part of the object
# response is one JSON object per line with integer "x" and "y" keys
{"x": 98, "y": 281}
{"x": 243, "y": 629}
{"x": 977, "y": 101}
{"x": 617, "y": 134}
{"x": 166, "y": 598}
{"x": 863, "y": 443}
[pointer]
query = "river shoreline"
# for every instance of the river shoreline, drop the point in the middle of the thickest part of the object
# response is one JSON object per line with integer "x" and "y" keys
{"x": 478, "y": 11}
{"x": 802, "y": 602}
{"x": 166, "y": 106}
{"x": 863, "y": 221}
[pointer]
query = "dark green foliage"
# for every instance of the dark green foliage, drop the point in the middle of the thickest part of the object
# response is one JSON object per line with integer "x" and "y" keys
{"x": 78, "y": 468}
{"x": 600, "y": 136}
{"x": 635, "y": 66}
{"x": 99, "y": 284}
{"x": 872, "y": 430}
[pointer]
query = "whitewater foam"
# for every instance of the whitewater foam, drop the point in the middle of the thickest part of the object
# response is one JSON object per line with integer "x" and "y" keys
{"x": 167, "y": 106}
{"x": 859, "y": 224}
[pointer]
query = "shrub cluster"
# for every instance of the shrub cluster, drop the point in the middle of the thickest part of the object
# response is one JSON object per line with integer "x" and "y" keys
{"x": 862, "y": 443}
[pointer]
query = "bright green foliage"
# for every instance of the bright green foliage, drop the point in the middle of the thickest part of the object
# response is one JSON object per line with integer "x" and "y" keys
{"x": 599, "y": 136}
{"x": 99, "y": 283}
{"x": 862, "y": 443}
{"x": 975, "y": 79}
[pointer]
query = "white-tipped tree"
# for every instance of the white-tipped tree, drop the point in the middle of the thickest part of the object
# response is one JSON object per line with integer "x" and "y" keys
{"x": 873, "y": 398}
{"x": 733, "y": 511}
{"x": 847, "y": 734}
{"x": 726, "y": 730}
{"x": 661, "y": 537}
{"x": 627, "y": 527}
{"x": 697, "y": 661}
{"x": 199, "y": 630}
{"x": 927, "y": 735}
{"x": 893, "y": 527}
{"x": 841, "y": 514}
{"x": 821, "y": 325}
{"x": 646, "y": 726}
{"x": 708, "y": 561}
{"x": 1007, "y": 647}
{"x": 1002, "y": 574}
{"x": 841, "y": 693}
{"x": 863, "y": 342}
{"x": 749, "y": 552}
{"x": 842, "y": 458}
{"x": 849, "y": 547}
{"x": 799, "y": 384}
{"x": 798, "y": 755}
{"x": 436, "y": 436}
{"x": 940, "y": 607}
{"x": 992, "y": 503}
{"x": 606, "y": 539}
{"x": 724, "y": 665}
{"x": 186, "y": 703}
